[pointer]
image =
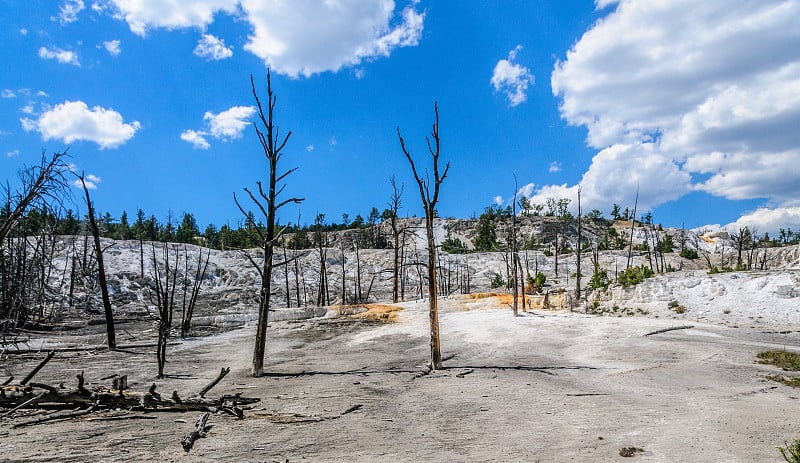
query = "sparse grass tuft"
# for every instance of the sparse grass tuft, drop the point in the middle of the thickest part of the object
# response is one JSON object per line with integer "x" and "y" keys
{"x": 676, "y": 307}
{"x": 789, "y": 361}
{"x": 791, "y": 452}
{"x": 787, "y": 380}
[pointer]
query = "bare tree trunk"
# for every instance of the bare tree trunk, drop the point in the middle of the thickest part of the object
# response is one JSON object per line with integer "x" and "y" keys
{"x": 580, "y": 238}
{"x": 514, "y": 256}
{"x": 633, "y": 224}
{"x": 429, "y": 202}
{"x": 101, "y": 271}
{"x": 272, "y": 146}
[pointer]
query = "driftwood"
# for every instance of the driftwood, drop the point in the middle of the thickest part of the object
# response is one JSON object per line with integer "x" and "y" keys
{"x": 200, "y": 430}
{"x": 682, "y": 327}
{"x": 19, "y": 396}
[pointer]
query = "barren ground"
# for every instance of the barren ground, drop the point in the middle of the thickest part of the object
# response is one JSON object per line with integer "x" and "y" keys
{"x": 545, "y": 386}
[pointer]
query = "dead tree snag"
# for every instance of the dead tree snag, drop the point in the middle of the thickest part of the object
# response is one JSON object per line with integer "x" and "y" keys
{"x": 429, "y": 201}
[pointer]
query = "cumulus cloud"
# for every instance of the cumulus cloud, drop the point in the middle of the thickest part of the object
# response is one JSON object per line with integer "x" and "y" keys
{"x": 23, "y": 31}
{"x": 91, "y": 181}
{"x": 74, "y": 121}
{"x": 766, "y": 220}
{"x": 554, "y": 167}
{"x": 68, "y": 12}
{"x": 212, "y": 48}
{"x": 310, "y": 148}
{"x": 197, "y": 139}
{"x": 62, "y": 56}
{"x": 302, "y": 37}
{"x": 12, "y": 153}
{"x": 142, "y": 15}
{"x": 112, "y": 46}
{"x": 8, "y": 93}
{"x": 686, "y": 95}
{"x": 229, "y": 124}
{"x": 226, "y": 125}
{"x": 512, "y": 79}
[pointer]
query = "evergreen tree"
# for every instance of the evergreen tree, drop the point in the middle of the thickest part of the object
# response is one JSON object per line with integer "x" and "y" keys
{"x": 188, "y": 230}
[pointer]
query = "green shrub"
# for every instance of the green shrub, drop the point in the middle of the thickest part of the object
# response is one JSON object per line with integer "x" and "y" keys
{"x": 632, "y": 276}
{"x": 599, "y": 279}
{"x": 688, "y": 253}
{"x": 497, "y": 281}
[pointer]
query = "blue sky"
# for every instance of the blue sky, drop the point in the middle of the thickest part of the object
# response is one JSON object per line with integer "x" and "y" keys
{"x": 697, "y": 103}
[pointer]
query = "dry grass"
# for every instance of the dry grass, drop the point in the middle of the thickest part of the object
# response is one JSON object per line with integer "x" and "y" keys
{"x": 482, "y": 295}
{"x": 789, "y": 361}
{"x": 787, "y": 380}
{"x": 376, "y": 312}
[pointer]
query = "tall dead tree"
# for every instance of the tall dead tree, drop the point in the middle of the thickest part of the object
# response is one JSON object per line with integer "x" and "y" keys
{"x": 166, "y": 282}
{"x": 42, "y": 183}
{"x": 429, "y": 201}
{"x": 514, "y": 255}
{"x": 267, "y": 203}
{"x": 580, "y": 237}
{"x": 394, "y": 206}
{"x": 633, "y": 224}
{"x": 101, "y": 271}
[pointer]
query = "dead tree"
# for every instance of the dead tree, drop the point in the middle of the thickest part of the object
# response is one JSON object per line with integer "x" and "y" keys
{"x": 633, "y": 224}
{"x": 394, "y": 206}
{"x": 514, "y": 255}
{"x": 165, "y": 277}
{"x": 194, "y": 283}
{"x": 41, "y": 184}
{"x": 267, "y": 203}
{"x": 429, "y": 201}
{"x": 101, "y": 271}
{"x": 580, "y": 237}
{"x": 321, "y": 241}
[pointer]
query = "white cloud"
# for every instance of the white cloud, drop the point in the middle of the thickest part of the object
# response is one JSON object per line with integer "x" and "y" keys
{"x": 197, "y": 139}
{"x": 74, "y": 121}
{"x": 498, "y": 200}
{"x": 7, "y": 93}
{"x": 142, "y": 15}
{"x": 91, "y": 181}
{"x": 705, "y": 90}
{"x": 226, "y": 125}
{"x": 526, "y": 190}
{"x": 112, "y": 46}
{"x": 310, "y": 148}
{"x": 212, "y": 48}
{"x": 62, "y": 56}
{"x": 512, "y": 79}
{"x": 229, "y": 124}
{"x": 28, "y": 109}
{"x": 12, "y": 153}
{"x": 554, "y": 167}
{"x": 333, "y": 142}
{"x": 768, "y": 220}
{"x": 616, "y": 173}
{"x": 601, "y": 4}
{"x": 301, "y": 37}
{"x": 69, "y": 10}
{"x": 307, "y": 37}
{"x": 23, "y": 31}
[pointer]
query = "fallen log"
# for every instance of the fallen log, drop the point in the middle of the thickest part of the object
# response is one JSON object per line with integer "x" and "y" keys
{"x": 38, "y": 367}
{"x": 200, "y": 430}
{"x": 47, "y": 396}
{"x": 673, "y": 328}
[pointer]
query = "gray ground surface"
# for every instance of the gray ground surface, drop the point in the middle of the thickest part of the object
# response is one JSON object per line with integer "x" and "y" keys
{"x": 547, "y": 387}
